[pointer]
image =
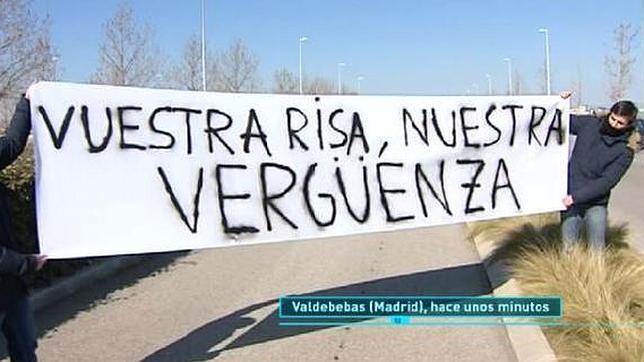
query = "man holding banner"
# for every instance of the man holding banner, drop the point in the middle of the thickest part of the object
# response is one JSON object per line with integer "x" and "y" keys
{"x": 603, "y": 153}
{"x": 15, "y": 312}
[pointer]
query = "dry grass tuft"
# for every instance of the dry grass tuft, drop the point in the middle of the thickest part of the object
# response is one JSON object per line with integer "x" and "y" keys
{"x": 603, "y": 296}
{"x": 603, "y": 292}
{"x": 512, "y": 235}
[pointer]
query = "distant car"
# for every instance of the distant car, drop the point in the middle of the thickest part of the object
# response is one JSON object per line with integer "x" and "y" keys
{"x": 639, "y": 125}
{"x": 600, "y": 111}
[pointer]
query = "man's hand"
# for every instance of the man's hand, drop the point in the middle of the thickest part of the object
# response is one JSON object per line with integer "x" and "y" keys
{"x": 568, "y": 201}
{"x": 565, "y": 94}
{"x": 30, "y": 90}
{"x": 41, "y": 260}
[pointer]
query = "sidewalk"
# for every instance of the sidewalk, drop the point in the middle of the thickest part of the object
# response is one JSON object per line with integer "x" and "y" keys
{"x": 626, "y": 203}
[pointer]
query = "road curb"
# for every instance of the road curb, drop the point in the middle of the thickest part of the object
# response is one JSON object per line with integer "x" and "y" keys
{"x": 528, "y": 342}
{"x": 67, "y": 286}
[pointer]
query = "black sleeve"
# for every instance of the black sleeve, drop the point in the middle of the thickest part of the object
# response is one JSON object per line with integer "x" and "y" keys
{"x": 13, "y": 142}
{"x": 574, "y": 124}
{"x": 578, "y": 122}
{"x": 13, "y": 263}
{"x": 610, "y": 177}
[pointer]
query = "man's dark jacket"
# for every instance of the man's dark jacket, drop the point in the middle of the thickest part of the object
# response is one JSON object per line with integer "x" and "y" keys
{"x": 598, "y": 161}
{"x": 13, "y": 265}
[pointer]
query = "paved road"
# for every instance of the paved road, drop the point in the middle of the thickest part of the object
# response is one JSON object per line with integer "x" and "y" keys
{"x": 627, "y": 202}
{"x": 221, "y": 303}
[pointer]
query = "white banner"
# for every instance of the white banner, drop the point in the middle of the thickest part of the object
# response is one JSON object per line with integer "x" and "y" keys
{"x": 130, "y": 170}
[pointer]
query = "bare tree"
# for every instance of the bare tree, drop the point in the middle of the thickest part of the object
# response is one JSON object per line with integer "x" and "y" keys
{"x": 127, "y": 55}
{"x": 578, "y": 88}
{"x": 26, "y": 51}
{"x": 285, "y": 81}
{"x": 542, "y": 79}
{"x": 320, "y": 85}
{"x": 187, "y": 74}
{"x": 619, "y": 64}
{"x": 518, "y": 86}
{"x": 237, "y": 69}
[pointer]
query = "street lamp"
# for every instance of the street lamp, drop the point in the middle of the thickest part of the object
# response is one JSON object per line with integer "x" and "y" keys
{"x": 360, "y": 79}
{"x": 203, "y": 45}
{"x": 509, "y": 61}
{"x": 302, "y": 39}
{"x": 547, "y": 45}
{"x": 489, "y": 84}
{"x": 340, "y": 65}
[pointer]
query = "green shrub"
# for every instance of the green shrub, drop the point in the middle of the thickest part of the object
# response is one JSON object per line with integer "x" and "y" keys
{"x": 18, "y": 178}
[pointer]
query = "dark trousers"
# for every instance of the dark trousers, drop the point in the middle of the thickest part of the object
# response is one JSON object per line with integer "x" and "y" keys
{"x": 19, "y": 330}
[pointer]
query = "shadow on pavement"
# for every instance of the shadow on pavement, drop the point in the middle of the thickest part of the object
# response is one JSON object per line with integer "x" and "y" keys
{"x": 466, "y": 280}
{"x": 52, "y": 316}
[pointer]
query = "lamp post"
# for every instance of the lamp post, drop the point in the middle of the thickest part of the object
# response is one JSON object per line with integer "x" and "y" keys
{"x": 509, "y": 61}
{"x": 302, "y": 39}
{"x": 340, "y": 65}
{"x": 203, "y": 45}
{"x": 360, "y": 79}
{"x": 489, "y": 84}
{"x": 547, "y": 46}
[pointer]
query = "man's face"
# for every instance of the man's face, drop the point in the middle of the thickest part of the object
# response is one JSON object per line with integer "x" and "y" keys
{"x": 619, "y": 123}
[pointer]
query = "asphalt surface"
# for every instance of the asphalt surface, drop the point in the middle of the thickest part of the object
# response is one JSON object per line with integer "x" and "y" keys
{"x": 627, "y": 202}
{"x": 221, "y": 303}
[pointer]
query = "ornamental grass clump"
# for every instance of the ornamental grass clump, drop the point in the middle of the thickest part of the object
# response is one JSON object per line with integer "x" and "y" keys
{"x": 603, "y": 296}
{"x": 602, "y": 291}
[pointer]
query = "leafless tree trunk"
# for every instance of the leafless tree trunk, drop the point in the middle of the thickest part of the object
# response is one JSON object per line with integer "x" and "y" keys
{"x": 619, "y": 63}
{"x": 237, "y": 69}
{"x": 26, "y": 52}
{"x": 127, "y": 55}
{"x": 578, "y": 88}
{"x": 518, "y": 87}
{"x": 285, "y": 81}
{"x": 321, "y": 85}
{"x": 542, "y": 79}
{"x": 187, "y": 74}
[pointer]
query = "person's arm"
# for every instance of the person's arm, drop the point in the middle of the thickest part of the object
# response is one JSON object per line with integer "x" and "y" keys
{"x": 13, "y": 263}
{"x": 611, "y": 176}
{"x": 13, "y": 142}
{"x": 575, "y": 124}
